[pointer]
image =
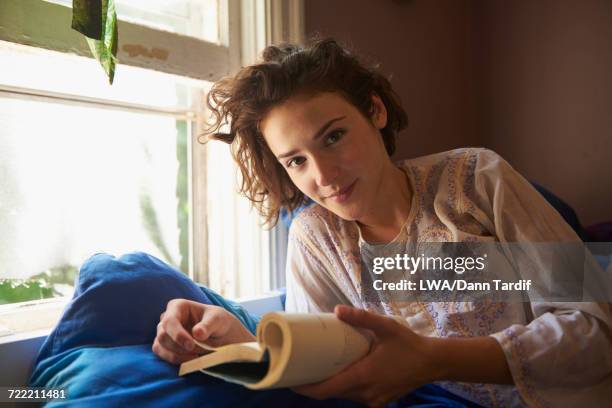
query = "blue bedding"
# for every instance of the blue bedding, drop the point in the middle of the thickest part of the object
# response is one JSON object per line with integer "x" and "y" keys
{"x": 100, "y": 351}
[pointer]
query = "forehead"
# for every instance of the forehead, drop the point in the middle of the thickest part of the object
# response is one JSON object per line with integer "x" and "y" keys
{"x": 304, "y": 114}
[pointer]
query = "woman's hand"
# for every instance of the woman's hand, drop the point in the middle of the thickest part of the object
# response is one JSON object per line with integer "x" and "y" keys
{"x": 398, "y": 362}
{"x": 185, "y": 320}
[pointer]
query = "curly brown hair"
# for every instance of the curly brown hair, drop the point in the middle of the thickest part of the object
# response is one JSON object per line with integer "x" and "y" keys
{"x": 243, "y": 100}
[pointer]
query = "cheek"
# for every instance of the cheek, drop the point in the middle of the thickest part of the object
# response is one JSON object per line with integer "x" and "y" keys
{"x": 371, "y": 153}
{"x": 354, "y": 159}
{"x": 303, "y": 183}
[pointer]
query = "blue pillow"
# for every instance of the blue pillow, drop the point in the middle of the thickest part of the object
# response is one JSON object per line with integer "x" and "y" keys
{"x": 118, "y": 302}
{"x": 100, "y": 351}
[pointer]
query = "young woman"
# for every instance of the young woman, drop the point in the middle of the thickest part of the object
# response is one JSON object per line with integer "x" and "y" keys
{"x": 316, "y": 123}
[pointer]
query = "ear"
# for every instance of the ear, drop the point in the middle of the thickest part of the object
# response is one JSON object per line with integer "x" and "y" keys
{"x": 379, "y": 117}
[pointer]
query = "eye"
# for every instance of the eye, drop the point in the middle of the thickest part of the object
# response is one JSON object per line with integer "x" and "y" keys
{"x": 294, "y": 162}
{"x": 334, "y": 136}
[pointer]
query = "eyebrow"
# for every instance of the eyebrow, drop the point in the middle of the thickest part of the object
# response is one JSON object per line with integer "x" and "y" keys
{"x": 317, "y": 135}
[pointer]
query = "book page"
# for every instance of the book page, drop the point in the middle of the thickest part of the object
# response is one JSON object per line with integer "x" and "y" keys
{"x": 247, "y": 352}
{"x": 313, "y": 347}
{"x": 241, "y": 373}
{"x": 204, "y": 345}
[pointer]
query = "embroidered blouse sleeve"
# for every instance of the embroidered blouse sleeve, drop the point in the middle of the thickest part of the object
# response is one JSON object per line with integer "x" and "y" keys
{"x": 564, "y": 354}
{"x": 310, "y": 286}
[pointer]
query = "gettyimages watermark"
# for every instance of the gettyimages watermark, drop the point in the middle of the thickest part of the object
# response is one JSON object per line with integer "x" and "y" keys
{"x": 492, "y": 271}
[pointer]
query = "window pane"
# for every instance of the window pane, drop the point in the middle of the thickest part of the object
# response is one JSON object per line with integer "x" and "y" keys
{"x": 107, "y": 174}
{"x": 33, "y": 68}
{"x": 194, "y": 18}
{"x": 238, "y": 247}
{"x": 79, "y": 180}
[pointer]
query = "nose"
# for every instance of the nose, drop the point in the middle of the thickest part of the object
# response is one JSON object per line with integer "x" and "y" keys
{"x": 325, "y": 171}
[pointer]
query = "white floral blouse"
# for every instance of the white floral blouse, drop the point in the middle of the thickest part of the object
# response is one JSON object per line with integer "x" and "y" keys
{"x": 559, "y": 354}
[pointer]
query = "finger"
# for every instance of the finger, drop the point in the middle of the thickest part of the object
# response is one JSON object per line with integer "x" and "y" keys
{"x": 344, "y": 383}
{"x": 209, "y": 327}
{"x": 169, "y": 356}
{"x": 181, "y": 313}
{"x": 381, "y": 325}
{"x": 166, "y": 342}
{"x": 177, "y": 333}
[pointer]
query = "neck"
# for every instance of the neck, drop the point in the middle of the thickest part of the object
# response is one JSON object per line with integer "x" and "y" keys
{"x": 390, "y": 209}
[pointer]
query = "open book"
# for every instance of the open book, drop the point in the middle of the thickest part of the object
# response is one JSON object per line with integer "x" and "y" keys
{"x": 291, "y": 349}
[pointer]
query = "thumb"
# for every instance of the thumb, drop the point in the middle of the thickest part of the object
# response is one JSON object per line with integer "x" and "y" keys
{"x": 380, "y": 325}
{"x": 200, "y": 332}
{"x": 208, "y": 326}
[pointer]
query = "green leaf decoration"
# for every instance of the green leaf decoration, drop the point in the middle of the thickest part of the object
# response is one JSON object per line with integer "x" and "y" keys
{"x": 97, "y": 21}
{"x": 87, "y": 17}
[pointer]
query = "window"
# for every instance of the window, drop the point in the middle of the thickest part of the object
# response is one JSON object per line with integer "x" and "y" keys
{"x": 86, "y": 167}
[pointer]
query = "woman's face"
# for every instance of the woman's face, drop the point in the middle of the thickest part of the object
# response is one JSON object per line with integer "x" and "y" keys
{"x": 331, "y": 152}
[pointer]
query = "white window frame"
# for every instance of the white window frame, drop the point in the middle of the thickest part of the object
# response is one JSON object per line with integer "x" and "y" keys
{"x": 246, "y": 26}
{"x": 44, "y": 24}
{"x": 253, "y": 24}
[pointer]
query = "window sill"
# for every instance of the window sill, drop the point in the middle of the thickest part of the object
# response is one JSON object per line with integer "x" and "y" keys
{"x": 26, "y": 319}
{"x": 270, "y": 302}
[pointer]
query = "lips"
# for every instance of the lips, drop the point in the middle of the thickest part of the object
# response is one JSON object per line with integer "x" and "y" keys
{"x": 344, "y": 194}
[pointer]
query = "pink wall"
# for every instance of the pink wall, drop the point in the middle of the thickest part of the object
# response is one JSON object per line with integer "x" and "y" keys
{"x": 427, "y": 48}
{"x": 546, "y": 71}
{"x": 531, "y": 79}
